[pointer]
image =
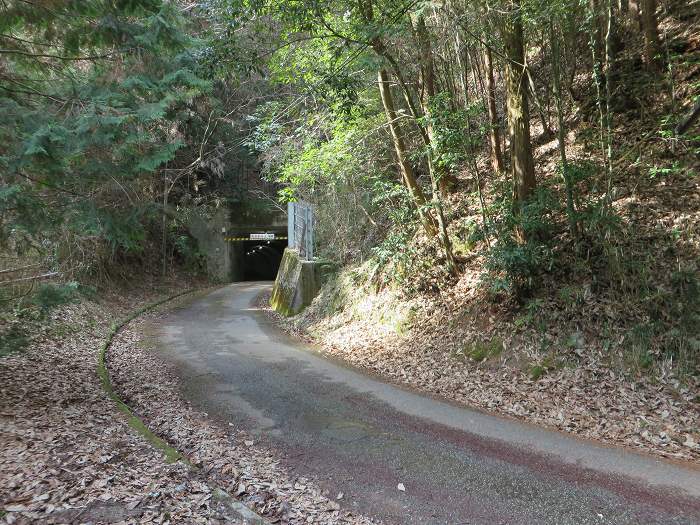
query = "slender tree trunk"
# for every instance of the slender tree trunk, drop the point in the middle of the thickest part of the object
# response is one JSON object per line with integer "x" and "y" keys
{"x": 650, "y": 27}
{"x": 597, "y": 28}
{"x": 444, "y": 180}
{"x": 546, "y": 130}
{"x": 561, "y": 132}
{"x": 522, "y": 165}
{"x": 462, "y": 57}
{"x": 461, "y": 71}
{"x": 603, "y": 98}
{"x": 471, "y": 155}
{"x": 494, "y": 132}
{"x": 407, "y": 173}
{"x": 439, "y": 177}
{"x": 164, "y": 245}
{"x": 605, "y": 34}
{"x": 609, "y": 63}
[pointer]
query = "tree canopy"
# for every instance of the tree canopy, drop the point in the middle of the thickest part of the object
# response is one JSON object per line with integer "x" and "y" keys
{"x": 427, "y": 134}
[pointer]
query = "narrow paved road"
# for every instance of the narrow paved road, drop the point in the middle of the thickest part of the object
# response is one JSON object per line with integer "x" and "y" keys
{"x": 362, "y": 437}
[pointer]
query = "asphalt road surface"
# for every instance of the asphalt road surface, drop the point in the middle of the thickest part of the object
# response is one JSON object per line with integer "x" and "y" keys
{"x": 357, "y": 435}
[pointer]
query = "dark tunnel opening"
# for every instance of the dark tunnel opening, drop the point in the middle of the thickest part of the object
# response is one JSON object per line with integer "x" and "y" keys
{"x": 261, "y": 259}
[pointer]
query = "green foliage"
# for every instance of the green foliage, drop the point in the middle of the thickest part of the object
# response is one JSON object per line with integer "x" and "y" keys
{"x": 482, "y": 350}
{"x": 49, "y": 296}
{"x": 395, "y": 252}
{"x": 337, "y": 161}
{"x": 522, "y": 251}
{"x": 531, "y": 316}
{"x": 638, "y": 346}
{"x": 193, "y": 259}
{"x": 664, "y": 171}
{"x": 682, "y": 341}
{"x": 537, "y": 371}
{"x": 81, "y": 148}
{"x": 456, "y": 141}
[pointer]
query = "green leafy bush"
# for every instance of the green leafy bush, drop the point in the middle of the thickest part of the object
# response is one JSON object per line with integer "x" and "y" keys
{"x": 522, "y": 250}
{"x": 50, "y": 296}
{"x": 193, "y": 259}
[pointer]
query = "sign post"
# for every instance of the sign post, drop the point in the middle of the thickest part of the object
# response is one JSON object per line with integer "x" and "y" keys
{"x": 300, "y": 228}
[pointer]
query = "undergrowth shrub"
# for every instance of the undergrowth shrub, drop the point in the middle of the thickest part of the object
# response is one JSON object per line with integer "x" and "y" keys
{"x": 26, "y": 307}
{"x": 187, "y": 250}
{"x": 50, "y": 296}
{"x": 522, "y": 250}
{"x": 681, "y": 336}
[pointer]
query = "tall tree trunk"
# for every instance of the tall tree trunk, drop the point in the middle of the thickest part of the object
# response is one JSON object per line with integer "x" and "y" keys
{"x": 407, "y": 173}
{"x": 462, "y": 61}
{"x": 522, "y": 165}
{"x": 561, "y": 132}
{"x": 650, "y": 27}
{"x": 546, "y": 130}
{"x": 604, "y": 38}
{"x": 609, "y": 63}
{"x": 164, "y": 245}
{"x": 439, "y": 179}
{"x": 444, "y": 180}
{"x": 597, "y": 29}
{"x": 494, "y": 132}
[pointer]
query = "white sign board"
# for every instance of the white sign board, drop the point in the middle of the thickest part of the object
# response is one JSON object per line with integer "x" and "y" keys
{"x": 262, "y": 236}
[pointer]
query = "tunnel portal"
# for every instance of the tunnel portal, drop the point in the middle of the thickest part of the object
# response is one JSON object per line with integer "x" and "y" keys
{"x": 255, "y": 256}
{"x": 252, "y": 236}
{"x": 261, "y": 259}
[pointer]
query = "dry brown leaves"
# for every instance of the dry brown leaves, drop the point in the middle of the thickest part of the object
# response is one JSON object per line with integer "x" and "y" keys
{"x": 591, "y": 399}
{"x": 67, "y": 455}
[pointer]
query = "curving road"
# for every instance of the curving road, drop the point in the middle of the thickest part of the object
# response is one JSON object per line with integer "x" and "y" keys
{"x": 360, "y": 436}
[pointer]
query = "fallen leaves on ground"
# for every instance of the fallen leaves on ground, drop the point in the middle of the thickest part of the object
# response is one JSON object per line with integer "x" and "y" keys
{"x": 659, "y": 415}
{"x": 68, "y": 455}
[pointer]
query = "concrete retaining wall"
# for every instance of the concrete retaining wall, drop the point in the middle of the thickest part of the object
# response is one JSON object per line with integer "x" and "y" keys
{"x": 296, "y": 285}
{"x": 209, "y": 234}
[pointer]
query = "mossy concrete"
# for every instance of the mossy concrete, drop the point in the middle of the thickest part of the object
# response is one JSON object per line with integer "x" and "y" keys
{"x": 296, "y": 285}
{"x": 170, "y": 453}
{"x": 236, "y": 509}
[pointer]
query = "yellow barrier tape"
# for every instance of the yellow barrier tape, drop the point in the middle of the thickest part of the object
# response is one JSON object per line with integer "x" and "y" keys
{"x": 234, "y": 239}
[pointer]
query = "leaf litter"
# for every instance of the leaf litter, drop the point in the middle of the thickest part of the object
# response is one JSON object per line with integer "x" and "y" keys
{"x": 231, "y": 458}
{"x": 588, "y": 397}
{"x": 68, "y": 455}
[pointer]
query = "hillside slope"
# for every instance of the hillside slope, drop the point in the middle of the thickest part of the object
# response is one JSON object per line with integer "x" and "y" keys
{"x": 603, "y": 337}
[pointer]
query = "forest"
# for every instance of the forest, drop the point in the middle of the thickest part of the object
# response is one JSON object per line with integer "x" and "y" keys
{"x": 540, "y": 147}
{"x": 511, "y": 186}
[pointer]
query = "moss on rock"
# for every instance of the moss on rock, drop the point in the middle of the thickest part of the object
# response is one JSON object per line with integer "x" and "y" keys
{"x": 296, "y": 285}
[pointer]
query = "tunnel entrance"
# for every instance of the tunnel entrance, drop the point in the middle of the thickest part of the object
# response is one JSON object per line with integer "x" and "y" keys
{"x": 261, "y": 259}
{"x": 255, "y": 239}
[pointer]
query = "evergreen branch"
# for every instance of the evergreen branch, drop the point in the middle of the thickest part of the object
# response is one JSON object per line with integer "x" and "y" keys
{"x": 51, "y": 186}
{"x": 10, "y": 37}
{"x": 30, "y": 91}
{"x": 58, "y": 57}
